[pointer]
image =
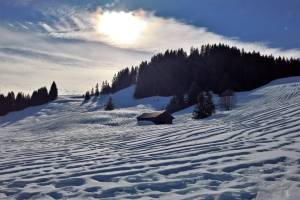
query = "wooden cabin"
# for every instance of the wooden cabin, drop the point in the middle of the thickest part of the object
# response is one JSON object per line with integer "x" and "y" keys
{"x": 163, "y": 117}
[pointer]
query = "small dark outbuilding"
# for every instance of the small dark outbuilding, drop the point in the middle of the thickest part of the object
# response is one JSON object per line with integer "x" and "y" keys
{"x": 157, "y": 117}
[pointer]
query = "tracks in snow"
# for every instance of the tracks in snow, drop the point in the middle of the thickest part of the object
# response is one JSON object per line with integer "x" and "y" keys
{"x": 218, "y": 158}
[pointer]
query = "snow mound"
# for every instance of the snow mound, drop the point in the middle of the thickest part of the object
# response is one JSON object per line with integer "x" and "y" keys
{"x": 125, "y": 99}
{"x": 73, "y": 150}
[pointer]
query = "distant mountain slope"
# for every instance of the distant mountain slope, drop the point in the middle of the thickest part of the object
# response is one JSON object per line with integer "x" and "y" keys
{"x": 67, "y": 149}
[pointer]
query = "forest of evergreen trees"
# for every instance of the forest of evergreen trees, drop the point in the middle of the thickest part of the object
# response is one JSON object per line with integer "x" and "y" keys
{"x": 211, "y": 68}
{"x": 123, "y": 79}
{"x": 21, "y": 101}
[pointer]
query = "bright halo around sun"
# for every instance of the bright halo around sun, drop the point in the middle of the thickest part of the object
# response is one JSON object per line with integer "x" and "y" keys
{"x": 122, "y": 28}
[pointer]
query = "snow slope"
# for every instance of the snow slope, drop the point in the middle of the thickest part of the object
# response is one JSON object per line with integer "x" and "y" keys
{"x": 74, "y": 150}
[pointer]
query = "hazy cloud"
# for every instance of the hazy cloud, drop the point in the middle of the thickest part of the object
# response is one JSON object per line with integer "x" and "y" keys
{"x": 30, "y": 60}
{"x": 65, "y": 46}
{"x": 160, "y": 34}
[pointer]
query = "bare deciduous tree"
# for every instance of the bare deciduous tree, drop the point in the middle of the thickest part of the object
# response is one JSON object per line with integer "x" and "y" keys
{"x": 227, "y": 99}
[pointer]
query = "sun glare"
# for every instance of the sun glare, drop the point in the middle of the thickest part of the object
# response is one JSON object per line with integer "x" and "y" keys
{"x": 121, "y": 27}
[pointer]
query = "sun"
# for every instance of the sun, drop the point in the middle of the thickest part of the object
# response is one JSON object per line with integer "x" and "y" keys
{"x": 121, "y": 27}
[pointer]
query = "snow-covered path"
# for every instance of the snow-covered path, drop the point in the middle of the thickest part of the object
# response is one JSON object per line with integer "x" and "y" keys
{"x": 67, "y": 149}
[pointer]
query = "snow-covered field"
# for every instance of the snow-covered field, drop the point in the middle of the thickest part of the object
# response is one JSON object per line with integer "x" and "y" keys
{"x": 68, "y": 149}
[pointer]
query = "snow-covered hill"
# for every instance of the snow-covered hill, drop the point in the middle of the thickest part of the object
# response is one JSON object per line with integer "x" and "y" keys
{"x": 69, "y": 149}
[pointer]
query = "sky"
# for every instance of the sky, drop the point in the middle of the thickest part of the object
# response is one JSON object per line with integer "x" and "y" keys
{"x": 78, "y": 43}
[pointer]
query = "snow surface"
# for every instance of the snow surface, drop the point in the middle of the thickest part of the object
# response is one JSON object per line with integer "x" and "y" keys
{"x": 74, "y": 150}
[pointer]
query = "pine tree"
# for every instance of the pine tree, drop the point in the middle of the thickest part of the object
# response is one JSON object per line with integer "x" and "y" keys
{"x": 199, "y": 111}
{"x": 34, "y": 99}
{"x": 109, "y": 105}
{"x": 87, "y": 96}
{"x": 11, "y": 101}
{"x": 43, "y": 95}
{"x": 105, "y": 88}
{"x": 193, "y": 93}
{"x": 3, "y": 107}
{"x": 97, "y": 93}
{"x": 21, "y": 101}
{"x": 176, "y": 103}
{"x": 53, "y": 93}
{"x": 39, "y": 97}
{"x": 204, "y": 107}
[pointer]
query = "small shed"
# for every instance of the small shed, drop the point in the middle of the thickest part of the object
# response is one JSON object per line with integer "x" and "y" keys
{"x": 163, "y": 117}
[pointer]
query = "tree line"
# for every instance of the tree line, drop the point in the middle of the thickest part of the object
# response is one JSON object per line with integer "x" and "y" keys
{"x": 87, "y": 96}
{"x": 96, "y": 93}
{"x": 214, "y": 68}
{"x": 123, "y": 79}
{"x": 12, "y": 102}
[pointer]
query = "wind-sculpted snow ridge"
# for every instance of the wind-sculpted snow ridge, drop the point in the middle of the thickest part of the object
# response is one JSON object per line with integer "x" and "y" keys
{"x": 70, "y": 150}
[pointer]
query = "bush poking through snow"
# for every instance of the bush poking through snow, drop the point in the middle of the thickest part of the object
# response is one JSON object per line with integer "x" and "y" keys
{"x": 109, "y": 105}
